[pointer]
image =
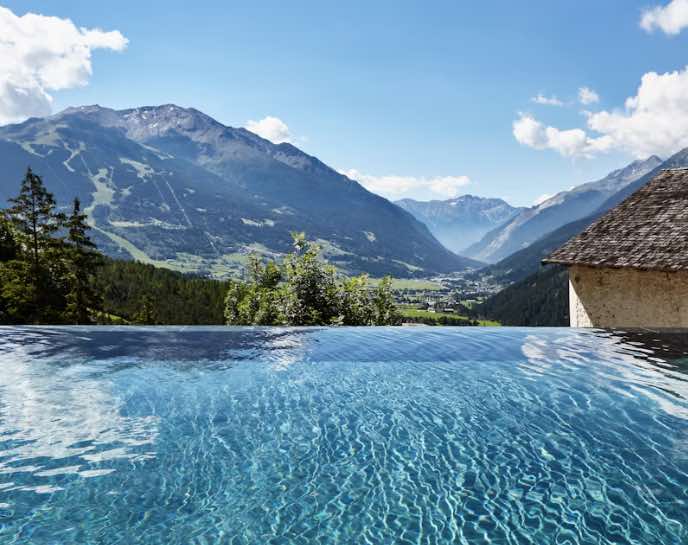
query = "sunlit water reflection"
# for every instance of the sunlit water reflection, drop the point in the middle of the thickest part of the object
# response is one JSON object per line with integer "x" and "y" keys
{"x": 378, "y": 435}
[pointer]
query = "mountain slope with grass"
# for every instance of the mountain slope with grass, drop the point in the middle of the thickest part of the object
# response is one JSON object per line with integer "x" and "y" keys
{"x": 172, "y": 187}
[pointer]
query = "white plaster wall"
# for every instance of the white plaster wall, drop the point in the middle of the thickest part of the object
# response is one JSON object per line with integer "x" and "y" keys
{"x": 627, "y": 298}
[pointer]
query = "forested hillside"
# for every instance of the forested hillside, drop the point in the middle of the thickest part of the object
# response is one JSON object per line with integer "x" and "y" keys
{"x": 542, "y": 299}
{"x": 139, "y": 293}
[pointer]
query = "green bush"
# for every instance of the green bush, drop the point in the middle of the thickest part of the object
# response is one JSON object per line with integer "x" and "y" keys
{"x": 305, "y": 290}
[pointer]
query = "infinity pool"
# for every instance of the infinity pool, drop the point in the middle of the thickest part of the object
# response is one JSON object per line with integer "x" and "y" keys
{"x": 170, "y": 436}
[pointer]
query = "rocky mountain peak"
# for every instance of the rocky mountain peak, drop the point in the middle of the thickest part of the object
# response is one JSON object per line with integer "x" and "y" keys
{"x": 171, "y": 186}
{"x": 638, "y": 166}
{"x": 460, "y": 221}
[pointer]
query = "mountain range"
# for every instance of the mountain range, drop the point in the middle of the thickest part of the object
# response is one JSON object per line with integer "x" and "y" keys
{"x": 460, "y": 222}
{"x": 532, "y": 223}
{"x": 173, "y": 187}
{"x": 536, "y": 290}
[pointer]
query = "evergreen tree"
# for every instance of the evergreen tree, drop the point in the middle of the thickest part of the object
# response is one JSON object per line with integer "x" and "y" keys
{"x": 146, "y": 313}
{"x": 17, "y": 298}
{"x": 36, "y": 223}
{"x": 34, "y": 217}
{"x": 83, "y": 262}
{"x": 8, "y": 244}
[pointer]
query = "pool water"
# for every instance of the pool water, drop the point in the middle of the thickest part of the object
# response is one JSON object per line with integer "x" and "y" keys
{"x": 170, "y": 436}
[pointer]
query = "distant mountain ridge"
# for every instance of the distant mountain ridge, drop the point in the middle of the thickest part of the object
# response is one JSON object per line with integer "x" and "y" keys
{"x": 530, "y": 277}
{"x": 525, "y": 262}
{"x": 173, "y": 187}
{"x": 564, "y": 207}
{"x": 457, "y": 223}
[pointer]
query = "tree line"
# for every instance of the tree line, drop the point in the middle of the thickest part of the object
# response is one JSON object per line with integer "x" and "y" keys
{"x": 140, "y": 293}
{"x": 47, "y": 260}
{"x": 51, "y": 272}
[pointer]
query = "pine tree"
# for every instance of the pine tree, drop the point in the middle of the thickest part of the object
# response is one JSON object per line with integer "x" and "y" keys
{"x": 36, "y": 222}
{"x": 83, "y": 263}
{"x": 146, "y": 312}
{"x": 10, "y": 281}
{"x": 33, "y": 215}
{"x": 8, "y": 244}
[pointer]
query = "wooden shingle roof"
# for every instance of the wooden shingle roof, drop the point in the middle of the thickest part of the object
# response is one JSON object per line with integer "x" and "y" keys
{"x": 648, "y": 231}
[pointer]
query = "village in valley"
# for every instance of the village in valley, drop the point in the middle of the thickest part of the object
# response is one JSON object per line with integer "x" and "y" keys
{"x": 446, "y": 299}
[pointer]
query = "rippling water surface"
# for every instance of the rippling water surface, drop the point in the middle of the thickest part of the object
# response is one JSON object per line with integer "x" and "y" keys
{"x": 172, "y": 436}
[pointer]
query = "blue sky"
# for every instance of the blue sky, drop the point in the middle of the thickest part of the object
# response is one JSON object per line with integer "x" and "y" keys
{"x": 414, "y": 98}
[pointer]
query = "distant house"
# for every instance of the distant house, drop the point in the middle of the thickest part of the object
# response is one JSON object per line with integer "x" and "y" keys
{"x": 630, "y": 267}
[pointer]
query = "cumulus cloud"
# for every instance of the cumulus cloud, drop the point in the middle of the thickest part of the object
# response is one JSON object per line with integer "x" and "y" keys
{"x": 587, "y": 96}
{"x": 271, "y": 128}
{"x": 653, "y": 121}
{"x": 670, "y": 19}
{"x": 396, "y": 187}
{"x": 570, "y": 143}
{"x": 546, "y": 101}
{"x": 42, "y": 54}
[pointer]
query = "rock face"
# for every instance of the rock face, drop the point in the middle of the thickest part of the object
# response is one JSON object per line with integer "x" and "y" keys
{"x": 173, "y": 187}
{"x": 458, "y": 223}
{"x": 565, "y": 207}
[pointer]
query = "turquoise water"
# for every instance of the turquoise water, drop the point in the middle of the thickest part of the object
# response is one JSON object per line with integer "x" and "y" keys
{"x": 170, "y": 436}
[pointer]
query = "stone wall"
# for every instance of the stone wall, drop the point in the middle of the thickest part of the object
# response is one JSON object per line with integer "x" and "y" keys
{"x": 601, "y": 297}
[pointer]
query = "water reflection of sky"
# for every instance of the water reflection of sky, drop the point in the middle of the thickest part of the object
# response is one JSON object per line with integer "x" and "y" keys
{"x": 60, "y": 407}
{"x": 59, "y": 419}
{"x": 180, "y": 435}
{"x": 644, "y": 363}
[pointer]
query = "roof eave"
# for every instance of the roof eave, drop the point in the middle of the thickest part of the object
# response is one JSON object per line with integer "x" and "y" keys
{"x": 570, "y": 263}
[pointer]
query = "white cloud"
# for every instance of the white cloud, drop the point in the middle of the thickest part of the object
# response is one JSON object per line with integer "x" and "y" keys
{"x": 570, "y": 143}
{"x": 542, "y": 198}
{"x": 41, "y": 54}
{"x": 270, "y": 128}
{"x": 654, "y": 121}
{"x": 587, "y": 96}
{"x": 670, "y": 19}
{"x": 422, "y": 188}
{"x": 546, "y": 101}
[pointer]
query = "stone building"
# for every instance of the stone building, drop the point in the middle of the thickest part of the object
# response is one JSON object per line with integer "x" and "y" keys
{"x": 630, "y": 267}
